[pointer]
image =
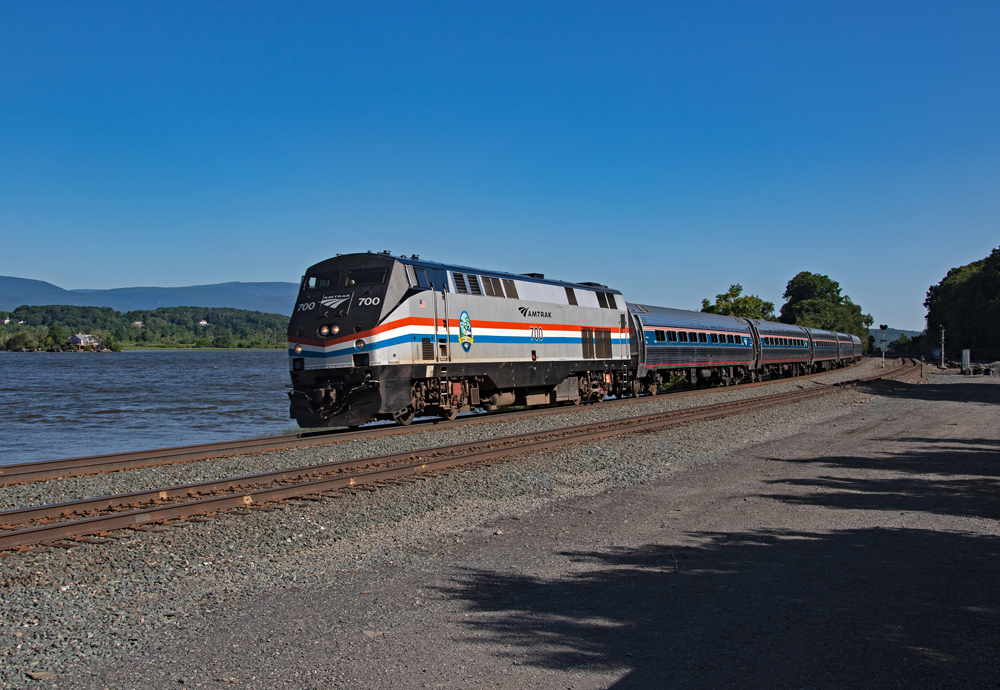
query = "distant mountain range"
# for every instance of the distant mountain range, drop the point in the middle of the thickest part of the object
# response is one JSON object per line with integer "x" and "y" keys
{"x": 891, "y": 334}
{"x": 272, "y": 298}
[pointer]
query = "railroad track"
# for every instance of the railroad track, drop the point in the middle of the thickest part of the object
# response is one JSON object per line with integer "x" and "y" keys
{"x": 50, "y": 525}
{"x": 98, "y": 464}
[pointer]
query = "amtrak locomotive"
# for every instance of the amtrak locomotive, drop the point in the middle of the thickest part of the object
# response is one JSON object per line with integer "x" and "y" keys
{"x": 375, "y": 336}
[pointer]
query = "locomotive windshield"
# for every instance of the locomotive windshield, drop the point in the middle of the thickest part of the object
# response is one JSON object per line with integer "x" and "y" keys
{"x": 360, "y": 276}
{"x": 326, "y": 280}
{"x": 366, "y": 276}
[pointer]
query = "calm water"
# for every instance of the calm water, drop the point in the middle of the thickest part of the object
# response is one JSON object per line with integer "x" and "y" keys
{"x": 61, "y": 405}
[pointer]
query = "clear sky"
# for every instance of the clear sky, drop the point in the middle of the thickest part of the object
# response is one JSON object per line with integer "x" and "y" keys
{"x": 667, "y": 149}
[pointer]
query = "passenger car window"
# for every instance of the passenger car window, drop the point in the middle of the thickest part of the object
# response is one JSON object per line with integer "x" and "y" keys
{"x": 683, "y": 336}
{"x": 660, "y": 336}
{"x": 672, "y": 336}
{"x": 702, "y": 337}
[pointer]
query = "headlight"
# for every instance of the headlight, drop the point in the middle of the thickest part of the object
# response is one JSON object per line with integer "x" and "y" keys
{"x": 360, "y": 344}
{"x": 335, "y": 329}
{"x": 298, "y": 349}
{"x": 324, "y": 330}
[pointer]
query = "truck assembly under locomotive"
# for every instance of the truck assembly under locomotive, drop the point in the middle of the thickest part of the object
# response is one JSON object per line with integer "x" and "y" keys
{"x": 375, "y": 336}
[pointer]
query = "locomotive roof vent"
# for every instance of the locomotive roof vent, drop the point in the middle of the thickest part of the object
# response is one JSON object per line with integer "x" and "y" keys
{"x": 594, "y": 285}
{"x": 540, "y": 276}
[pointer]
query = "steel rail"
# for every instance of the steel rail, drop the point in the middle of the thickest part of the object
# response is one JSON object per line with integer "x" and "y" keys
{"x": 99, "y": 464}
{"x": 347, "y": 473}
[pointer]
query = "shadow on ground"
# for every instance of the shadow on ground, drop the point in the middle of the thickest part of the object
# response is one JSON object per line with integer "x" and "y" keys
{"x": 980, "y": 390}
{"x": 855, "y": 608}
{"x": 852, "y": 606}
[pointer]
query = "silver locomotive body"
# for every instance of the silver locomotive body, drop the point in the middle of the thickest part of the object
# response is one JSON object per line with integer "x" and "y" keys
{"x": 374, "y": 336}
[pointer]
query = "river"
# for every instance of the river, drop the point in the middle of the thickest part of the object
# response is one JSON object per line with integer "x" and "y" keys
{"x": 61, "y": 405}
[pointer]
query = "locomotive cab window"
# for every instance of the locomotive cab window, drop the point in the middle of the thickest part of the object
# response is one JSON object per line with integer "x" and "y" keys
{"x": 366, "y": 276}
{"x": 328, "y": 280}
{"x": 571, "y": 296}
{"x": 602, "y": 300}
{"x": 611, "y": 301}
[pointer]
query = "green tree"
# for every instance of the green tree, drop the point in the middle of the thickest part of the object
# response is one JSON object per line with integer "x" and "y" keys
{"x": 814, "y": 300}
{"x": 735, "y": 303}
{"x": 19, "y": 341}
{"x": 967, "y": 304}
{"x": 57, "y": 337}
{"x": 223, "y": 337}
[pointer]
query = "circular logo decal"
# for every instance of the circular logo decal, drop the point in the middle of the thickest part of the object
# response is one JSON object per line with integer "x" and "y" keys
{"x": 465, "y": 331}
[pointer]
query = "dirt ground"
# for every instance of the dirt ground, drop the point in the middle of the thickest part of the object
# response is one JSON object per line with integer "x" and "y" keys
{"x": 859, "y": 552}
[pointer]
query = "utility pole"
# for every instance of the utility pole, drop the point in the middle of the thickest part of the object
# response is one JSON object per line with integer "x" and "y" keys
{"x": 942, "y": 346}
{"x": 883, "y": 327}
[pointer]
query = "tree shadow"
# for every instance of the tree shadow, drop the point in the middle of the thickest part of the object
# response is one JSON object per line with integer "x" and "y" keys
{"x": 935, "y": 457}
{"x": 981, "y": 393}
{"x": 850, "y": 608}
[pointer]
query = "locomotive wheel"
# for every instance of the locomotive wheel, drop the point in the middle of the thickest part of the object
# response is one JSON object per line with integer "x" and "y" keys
{"x": 636, "y": 388}
{"x": 450, "y": 414}
{"x": 406, "y": 417}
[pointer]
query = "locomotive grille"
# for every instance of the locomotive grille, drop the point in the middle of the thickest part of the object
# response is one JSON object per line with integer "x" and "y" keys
{"x": 427, "y": 348}
{"x": 603, "y": 343}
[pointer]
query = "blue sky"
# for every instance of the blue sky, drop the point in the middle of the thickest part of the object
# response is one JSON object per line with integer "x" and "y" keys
{"x": 667, "y": 149}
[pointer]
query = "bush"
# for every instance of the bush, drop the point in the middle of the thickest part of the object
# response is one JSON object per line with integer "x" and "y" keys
{"x": 19, "y": 341}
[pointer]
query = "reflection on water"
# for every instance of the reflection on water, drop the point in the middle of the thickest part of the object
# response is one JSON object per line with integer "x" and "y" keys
{"x": 60, "y": 405}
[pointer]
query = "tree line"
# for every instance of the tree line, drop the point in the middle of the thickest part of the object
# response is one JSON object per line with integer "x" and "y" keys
{"x": 811, "y": 299}
{"x": 50, "y": 327}
{"x": 966, "y": 304}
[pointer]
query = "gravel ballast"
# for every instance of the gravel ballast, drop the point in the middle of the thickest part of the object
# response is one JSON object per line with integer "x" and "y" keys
{"x": 72, "y": 612}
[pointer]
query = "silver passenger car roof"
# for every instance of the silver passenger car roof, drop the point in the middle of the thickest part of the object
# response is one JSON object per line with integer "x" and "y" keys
{"x": 665, "y": 317}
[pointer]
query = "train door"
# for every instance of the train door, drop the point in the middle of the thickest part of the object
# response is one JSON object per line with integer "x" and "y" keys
{"x": 637, "y": 344}
{"x": 442, "y": 327}
{"x": 623, "y": 339}
{"x": 755, "y": 341}
{"x": 445, "y": 347}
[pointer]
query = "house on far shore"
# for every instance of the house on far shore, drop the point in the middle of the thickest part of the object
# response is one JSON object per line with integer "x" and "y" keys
{"x": 203, "y": 322}
{"x": 83, "y": 341}
{"x": 137, "y": 323}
